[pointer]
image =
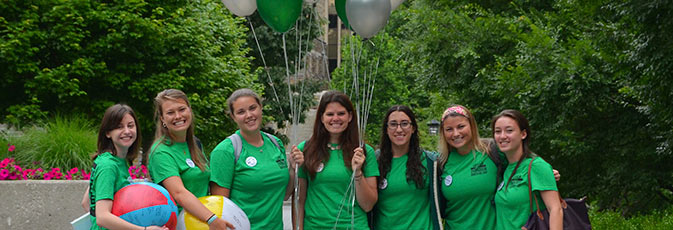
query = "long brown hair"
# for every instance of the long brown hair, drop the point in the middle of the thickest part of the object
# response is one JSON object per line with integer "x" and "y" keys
{"x": 415, "y": 169}
{"x": 111, "y": 119}
{"x": 161, "y": 133}
{"x": 315, "y": 149}
{"x": 522, "y": 122}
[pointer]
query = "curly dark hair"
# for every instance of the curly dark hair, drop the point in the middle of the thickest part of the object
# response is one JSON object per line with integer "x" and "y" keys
{"x": 415, "y": 169}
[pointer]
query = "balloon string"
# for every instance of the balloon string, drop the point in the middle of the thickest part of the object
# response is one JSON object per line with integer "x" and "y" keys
{"x": 343, "y": 201}
{"x": 296, "y": 196}
{"x": 261, "y": 54}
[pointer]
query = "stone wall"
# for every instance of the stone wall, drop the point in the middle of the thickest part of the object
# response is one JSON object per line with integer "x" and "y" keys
{"x": 40, "y": 204}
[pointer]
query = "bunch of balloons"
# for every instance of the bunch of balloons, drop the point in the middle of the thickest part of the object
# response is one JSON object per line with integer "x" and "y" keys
{"x": 365, "y": 17}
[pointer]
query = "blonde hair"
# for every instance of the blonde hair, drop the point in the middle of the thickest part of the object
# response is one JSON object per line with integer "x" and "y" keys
{"x": 476, "y": 142}
{"x": 162, "y": 132}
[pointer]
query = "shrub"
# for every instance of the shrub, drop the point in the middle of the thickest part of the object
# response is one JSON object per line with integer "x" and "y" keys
{"x": 62, "y": 142}
{"x": 614, "y": 220}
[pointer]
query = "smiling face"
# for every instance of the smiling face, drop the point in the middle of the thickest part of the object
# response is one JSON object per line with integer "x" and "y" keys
{"x": 124, "y": 135}
{"x": 457, "y": 133}
{"x": 177, "y": 116}
{"x": 399, "y": 129}
{"x": 335, "y": 119}
{"x": 247, "y": 114}
{"x": 509, "y": 135}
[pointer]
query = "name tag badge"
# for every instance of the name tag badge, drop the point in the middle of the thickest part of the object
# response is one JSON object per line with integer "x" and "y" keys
{"x": 448, "y": 180}
{"x": 190, "y": 163}
{"x": 321, "y": 166}
{"x": 251, "y": 161}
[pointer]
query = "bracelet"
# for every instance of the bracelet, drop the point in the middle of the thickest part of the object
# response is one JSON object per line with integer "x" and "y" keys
{"x": 211, "y": 219}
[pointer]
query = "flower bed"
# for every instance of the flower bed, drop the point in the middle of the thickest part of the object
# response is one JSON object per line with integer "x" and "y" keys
{"x": 11, "y": 170}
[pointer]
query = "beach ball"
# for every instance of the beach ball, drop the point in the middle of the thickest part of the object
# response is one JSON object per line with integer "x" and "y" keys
{"x": 222, "y": 207}
{"x": 145, "y": 204}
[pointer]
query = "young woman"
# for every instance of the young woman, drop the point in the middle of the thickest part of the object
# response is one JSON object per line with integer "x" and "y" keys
{"x": 176, "y": 162}
{"x": 258, "y": 178}
{"x": 118, "y": 145}
{"x": 332, "y": 158}
{"x": 512, "y": 134}
{"x": 405, "y": 176}
{"x": 469, "y": 172}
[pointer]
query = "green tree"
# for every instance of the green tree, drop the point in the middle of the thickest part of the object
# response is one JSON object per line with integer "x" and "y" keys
{"x": 83, "y": 56}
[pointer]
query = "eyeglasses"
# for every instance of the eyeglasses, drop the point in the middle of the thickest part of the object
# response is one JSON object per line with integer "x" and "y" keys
{"x": 404, "y": 125}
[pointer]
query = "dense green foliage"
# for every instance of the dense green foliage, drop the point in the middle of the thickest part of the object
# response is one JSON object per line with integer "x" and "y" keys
{"x": 79, "y": 56}
{"x": 657, "y": 220}
{"x": 592, "y": 78}
{"x": 61, "y": 142}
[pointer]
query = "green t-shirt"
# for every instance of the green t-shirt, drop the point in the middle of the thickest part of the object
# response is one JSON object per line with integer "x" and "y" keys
{"x": 257, "y": 181}
{"x": 402, "y": 205}
{"x": 512, "y": 201}
{"x": 327, "y": 192}
{"x": 174, "y": 159}
{"x": 109, "y": 174}
{"x": 468, "y": 184}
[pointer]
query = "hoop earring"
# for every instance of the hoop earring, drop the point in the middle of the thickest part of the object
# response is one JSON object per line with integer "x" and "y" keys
{"x": 164, "y": 124}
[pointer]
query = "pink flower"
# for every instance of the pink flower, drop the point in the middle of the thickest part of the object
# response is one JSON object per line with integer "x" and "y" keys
{"x": 6, "y": 162}
{"x": 86, "y": 176}
{"x": 18, "y": 168}
{"x": 145, "y": 172}
{"x": 47, "y": 176}
{"x": 55, "y": 170}
{"x": 13, "y": 176}
{"x": 68, "y": 177}
{"x": 57, "y": 175}
{"x": 39, "y": 170}
{"x": 11, "y": 148}
{"x": 3, "y": 174}
{"x": 73, "y": 170}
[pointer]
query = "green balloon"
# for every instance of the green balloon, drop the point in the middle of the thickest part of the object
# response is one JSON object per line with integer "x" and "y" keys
{"x": 341, "y": 11}
{"x": 280, "y": 15}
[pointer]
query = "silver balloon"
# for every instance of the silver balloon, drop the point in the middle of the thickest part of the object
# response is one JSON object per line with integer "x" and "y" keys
{"x": 367, "y": 17}
{"x": 241, "y": 8}
{"x": 395, "y": 3}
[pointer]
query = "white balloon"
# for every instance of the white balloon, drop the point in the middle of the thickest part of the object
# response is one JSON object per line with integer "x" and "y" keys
{"x": 241, "y": 8}
{"x": 367, "y": 17}
{"x": 395, "y": 3}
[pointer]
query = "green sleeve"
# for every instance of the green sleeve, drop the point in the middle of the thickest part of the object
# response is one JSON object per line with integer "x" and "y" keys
{"x": 162, "y": 166}
{"x": 301, "y": 172}
{"x": 104, "y": 182}
{"x": 371, "y": 166}
{"x": 542, "y": 176}
{"x": 222, "y": 164}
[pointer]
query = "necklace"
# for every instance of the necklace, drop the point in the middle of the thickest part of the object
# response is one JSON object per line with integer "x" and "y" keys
{"x": 333, "y": 146}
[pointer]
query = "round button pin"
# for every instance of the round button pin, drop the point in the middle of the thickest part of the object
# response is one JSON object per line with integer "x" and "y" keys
{"x": 251, "y": 161}
{"x": 448, "y": 180}
{"x": 190, "y": 163}
{"x": 384, "y": 184}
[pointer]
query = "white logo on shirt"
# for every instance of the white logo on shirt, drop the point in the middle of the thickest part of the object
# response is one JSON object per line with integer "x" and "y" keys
{"x": 251, "y": 161}
{"x": 321, "y": 166}
{"x": 448, "y": 180}
{"x": 502, "y": 184}
{"x": 384, "y": 184}
{"x": 190, "y": 163}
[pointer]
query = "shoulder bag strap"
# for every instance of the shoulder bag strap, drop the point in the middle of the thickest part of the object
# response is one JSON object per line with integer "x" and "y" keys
{"x": 532, "y": 196}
